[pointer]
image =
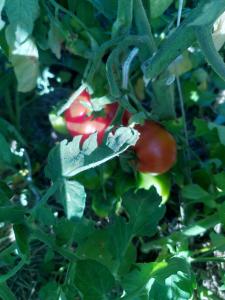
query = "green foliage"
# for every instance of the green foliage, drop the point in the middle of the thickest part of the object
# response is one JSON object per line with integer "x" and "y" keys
{"x": 5, "y": 292}
{"x": 93, "y": 280}
{"x": 165, "y": 280}
{"x": 77, "y": 219}
{"x": 21, "y": 17}
{"x": 157, "y": 8}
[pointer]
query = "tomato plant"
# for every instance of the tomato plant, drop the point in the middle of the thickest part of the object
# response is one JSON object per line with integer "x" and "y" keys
{"x": 102, "y": 218}
{"x": 80, "y": 121}
{"x": 156, "y": 148}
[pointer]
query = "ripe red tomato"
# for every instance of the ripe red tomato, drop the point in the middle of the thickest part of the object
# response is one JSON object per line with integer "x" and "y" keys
{"x": 156, "y": 148}
{"x": 78, "y": 121}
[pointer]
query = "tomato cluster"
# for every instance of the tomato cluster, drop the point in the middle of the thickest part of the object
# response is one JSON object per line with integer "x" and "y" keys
{"x": 80, "y": 122}
{"x": 155, "y": 149}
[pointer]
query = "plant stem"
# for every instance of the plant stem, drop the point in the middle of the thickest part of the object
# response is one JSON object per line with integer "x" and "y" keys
{"x": 17, "y": 110}
{"x": 207, "y": 259}
{"x": 48, "y": 240}
{"x": 182, "y": 37}
{"x": 8, "y": 102}
{"x": 163, "y": 100}
{"x": 143, "y": 26}
{"x": 183, "y": 113}
{"x": 124, "y": 18}
{"x": 204, "y": 37}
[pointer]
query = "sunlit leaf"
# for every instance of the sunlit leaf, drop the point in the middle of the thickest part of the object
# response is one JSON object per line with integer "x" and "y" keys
{"x": 24, "y": 59}
{"x": 172, "y": 280}
{"x": 68, "y": 158}
{"x": 72, "y": 196}
{"x": 2, "y": 4}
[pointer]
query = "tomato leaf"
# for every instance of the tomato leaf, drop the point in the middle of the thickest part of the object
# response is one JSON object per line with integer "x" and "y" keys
{"x": 6, "y": 155}
{"x": 194, "y": 192}
{"x": 203, "y": 17}
{"x": 21, "y": 15}
{"x": 55, "y": 39}
{"x": 107, "y": 7}
{"x": 144, "y": 211}
{"x": 72, "y": 196}
{"x": 21, "y": 232}
{"x": 111, "y": 245}
{"x": 12, "y": 214}
{"x": 2, "y": 4}
{"x": 94, "y": 280}
{"x": 6, "y": 293}
{"x": 172, "y": 280}
{"x": 49, "y": 291}
{"x": 67, "y": 159}
{"x": 24, "y": 59}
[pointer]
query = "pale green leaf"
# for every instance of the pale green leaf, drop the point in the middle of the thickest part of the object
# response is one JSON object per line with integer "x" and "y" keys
{"x": 2, "y": 4}
{"x": 26, "y": 65}
{"x": 219, "y": 32}
{"x": 72, "y": 196}
{"x": 22, "y": 15}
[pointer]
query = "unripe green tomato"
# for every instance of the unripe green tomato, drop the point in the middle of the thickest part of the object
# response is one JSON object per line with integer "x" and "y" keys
{"x": 162, "y": 184}
{"x": 58, "y": 123}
